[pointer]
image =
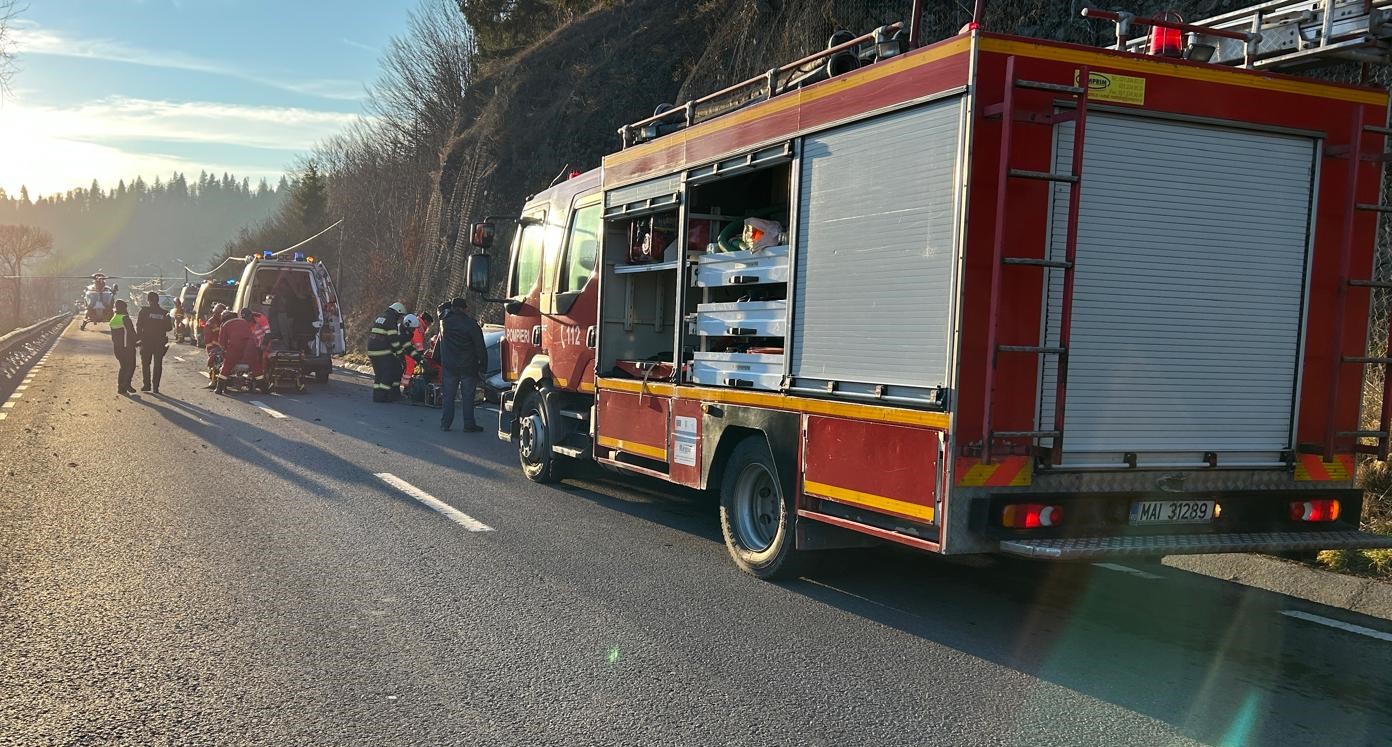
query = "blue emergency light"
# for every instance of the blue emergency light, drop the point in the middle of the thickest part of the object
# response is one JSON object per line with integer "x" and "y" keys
{"x": 298, "y": 256}
{"x": 267, "y": 254}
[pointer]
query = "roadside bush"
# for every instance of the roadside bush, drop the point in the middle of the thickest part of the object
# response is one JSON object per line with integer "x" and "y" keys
{"x": 1376, "y": 480}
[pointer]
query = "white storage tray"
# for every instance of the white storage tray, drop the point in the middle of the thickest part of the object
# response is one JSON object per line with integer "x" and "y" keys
{"x": 721, "y": 269}
{"x": 742, "y": 319}
{"x": 742, "y": 370}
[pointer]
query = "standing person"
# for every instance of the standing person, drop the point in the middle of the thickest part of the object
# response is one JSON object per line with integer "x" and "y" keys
{"x": 151, "y": 326}
{"x": 384, "y": 350}
{"x": 463, "y": 357}
{"x": 123, "y": 345}
{"x": 213, "y": 344}
{"x": 180, "y": 328}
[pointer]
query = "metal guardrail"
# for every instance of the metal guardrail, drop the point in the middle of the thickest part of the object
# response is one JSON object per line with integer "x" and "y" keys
{"x": 25, "y": 334}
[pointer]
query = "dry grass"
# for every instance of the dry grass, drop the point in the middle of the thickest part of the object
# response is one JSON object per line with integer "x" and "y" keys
{"x": 355, "y": 358}
{"x": 1376, "y": 479}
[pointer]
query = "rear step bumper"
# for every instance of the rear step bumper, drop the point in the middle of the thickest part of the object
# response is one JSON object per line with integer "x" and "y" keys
{"x": 1098, "y": 548}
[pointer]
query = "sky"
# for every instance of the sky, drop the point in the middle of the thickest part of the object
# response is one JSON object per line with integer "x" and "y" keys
{"x": 108, "y": 89}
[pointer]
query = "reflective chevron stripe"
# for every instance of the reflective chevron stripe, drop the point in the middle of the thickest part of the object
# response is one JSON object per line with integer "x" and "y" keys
{"x": 1311, "y": 467}
{"x": 1014, "y": 471}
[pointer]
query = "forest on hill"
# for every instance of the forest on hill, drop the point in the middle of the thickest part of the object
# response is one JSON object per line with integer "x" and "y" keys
{"x": 482, "y": 102}
{"x": 143, "y": 226}
{"x": 138, "y": 228}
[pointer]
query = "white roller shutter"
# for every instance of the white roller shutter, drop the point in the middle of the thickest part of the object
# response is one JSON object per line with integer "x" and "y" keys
{"x": 876, "y": 241}
{"x": 1189, "y": 291}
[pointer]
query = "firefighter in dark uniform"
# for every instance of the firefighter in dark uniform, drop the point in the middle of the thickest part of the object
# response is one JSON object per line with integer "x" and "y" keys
{"x": 384, "y": 349}
{"x": 123, "y": 345}
{"x": 151, "y": 326}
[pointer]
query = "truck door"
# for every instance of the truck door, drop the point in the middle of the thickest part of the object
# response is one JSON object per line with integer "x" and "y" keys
{"x": 522, "y": 326}
{"x": 568, "y": 329}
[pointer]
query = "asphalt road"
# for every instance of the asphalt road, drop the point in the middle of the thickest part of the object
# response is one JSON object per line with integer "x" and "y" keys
{"x": 191, "y": 569}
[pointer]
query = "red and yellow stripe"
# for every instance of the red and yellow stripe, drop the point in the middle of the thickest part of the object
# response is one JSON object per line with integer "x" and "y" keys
{"x": 1005, "y": 472}
{"x": 633, "y": 447}
{"x": 868, "y": 500}
{"x": 1312, "y": 467}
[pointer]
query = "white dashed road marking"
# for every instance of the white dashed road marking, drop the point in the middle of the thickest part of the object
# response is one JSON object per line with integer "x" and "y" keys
{"x": 262, "y": 407}
{"x": 453, "y": 514}
{"x": 1138, "y": 573}
{"x": 22, "y": 387}
{"x": 16, "y": 395}
{"x": 7, "y": 405}
{"x": 1341, "y": 625}
{"x": 4, "y": 415}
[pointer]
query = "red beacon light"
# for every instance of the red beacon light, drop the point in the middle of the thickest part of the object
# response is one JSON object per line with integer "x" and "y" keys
{"x": 1319, "y": 510}
{"x": 1166, "y": 42}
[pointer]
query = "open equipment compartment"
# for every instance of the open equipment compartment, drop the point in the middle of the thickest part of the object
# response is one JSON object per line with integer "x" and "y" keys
{"x": 638, "y": 322}
{"x": 739, "y": 217}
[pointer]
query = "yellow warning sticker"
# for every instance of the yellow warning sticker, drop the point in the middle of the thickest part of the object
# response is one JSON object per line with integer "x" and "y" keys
{"x": 1125, "y": 89}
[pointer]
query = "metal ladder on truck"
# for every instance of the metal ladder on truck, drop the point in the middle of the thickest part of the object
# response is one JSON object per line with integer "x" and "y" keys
{"x": 1274, "y": 35}
{"x": 1356, "y": 156}
{"x": 1006, "y": 111}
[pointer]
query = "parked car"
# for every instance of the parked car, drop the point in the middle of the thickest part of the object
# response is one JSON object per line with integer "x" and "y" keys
{"x": 493, "y": 383}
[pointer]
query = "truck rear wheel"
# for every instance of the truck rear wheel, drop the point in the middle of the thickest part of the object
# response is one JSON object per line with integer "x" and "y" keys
{"x": 534, "y": 440}
{"x": 756, "y": 518}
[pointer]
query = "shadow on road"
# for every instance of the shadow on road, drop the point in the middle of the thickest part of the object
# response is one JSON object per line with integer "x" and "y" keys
{"x": 291, "y": 460}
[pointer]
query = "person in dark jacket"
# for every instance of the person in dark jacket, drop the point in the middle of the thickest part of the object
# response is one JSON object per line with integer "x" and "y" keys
{"x": 463, "y": 357}
{"x": 123, "y": 345}
{"x": 151, "y": 326}
{"x": 384, "y": 348}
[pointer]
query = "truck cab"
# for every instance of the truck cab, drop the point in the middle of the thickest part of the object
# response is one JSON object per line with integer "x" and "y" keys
{"x": 297, "y": 295}
{"x": 549, "y": 334}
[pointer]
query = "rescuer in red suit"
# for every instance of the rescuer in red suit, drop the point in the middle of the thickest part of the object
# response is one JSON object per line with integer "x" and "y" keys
{"x": 241, "y": 343}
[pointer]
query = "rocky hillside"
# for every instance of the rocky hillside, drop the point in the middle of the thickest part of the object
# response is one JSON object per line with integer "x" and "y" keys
{"x": 558, "y": 103}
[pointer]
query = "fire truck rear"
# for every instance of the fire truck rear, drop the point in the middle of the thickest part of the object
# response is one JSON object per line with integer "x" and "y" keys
{"x": 991, "y": 294}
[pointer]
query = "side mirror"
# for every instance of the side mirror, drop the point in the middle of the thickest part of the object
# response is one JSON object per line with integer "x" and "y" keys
{"x": 478, "y": 269}
{"x": 481, "y": 235}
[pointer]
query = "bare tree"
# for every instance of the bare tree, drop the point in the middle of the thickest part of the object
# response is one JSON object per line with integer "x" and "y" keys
{"x": 19, "y": 244}
{"x": 424, "y": 75}
{"x": 9, "y": 10}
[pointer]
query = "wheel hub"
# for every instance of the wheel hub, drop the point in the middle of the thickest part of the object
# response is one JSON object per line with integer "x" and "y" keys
{"x": 531, "y": 432}
{"x": 756, "y": 507}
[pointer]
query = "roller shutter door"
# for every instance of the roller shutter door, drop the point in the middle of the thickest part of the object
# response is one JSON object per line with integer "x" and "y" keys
{"x": 876, "y": 242}
{"x": 1189, "y": 291}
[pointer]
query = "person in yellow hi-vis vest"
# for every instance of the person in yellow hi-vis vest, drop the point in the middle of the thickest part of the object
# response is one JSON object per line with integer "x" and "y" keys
{"x": 123, "y": 345}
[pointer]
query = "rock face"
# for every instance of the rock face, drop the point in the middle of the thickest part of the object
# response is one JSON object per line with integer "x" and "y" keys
{"x": 557, "y": 105}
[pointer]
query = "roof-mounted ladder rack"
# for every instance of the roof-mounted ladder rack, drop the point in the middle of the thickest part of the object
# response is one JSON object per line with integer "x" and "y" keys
{"x": 1273, "y": 35}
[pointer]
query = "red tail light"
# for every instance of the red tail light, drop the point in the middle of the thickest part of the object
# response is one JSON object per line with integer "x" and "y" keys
{"x": 1323, "y": 509}
{"x": 1031, "y": 516}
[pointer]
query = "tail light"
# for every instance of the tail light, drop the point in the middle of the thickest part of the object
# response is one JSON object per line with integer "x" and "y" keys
{"x": 1031, "y": 516}
{"x": 1323, "y": 509}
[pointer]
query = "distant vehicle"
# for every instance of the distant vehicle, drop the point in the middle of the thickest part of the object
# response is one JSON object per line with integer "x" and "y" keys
{"x": 210, "y": 293}
{"x": 493, "y": 384}
{"x": 299, "y": 298}
{"x": 99, "y": 300}
{"x": 188, "y": 294}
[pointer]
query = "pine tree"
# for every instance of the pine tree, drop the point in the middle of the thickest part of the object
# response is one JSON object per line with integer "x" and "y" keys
{"x": 311, "y": 198}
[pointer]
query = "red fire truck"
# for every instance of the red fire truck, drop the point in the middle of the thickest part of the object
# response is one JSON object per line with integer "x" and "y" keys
{"x": 991, "y": 294}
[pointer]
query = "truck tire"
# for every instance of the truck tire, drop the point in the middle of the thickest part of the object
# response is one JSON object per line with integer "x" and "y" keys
{"x": 756, "y": 518}
{"x": 534, "y": 440}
